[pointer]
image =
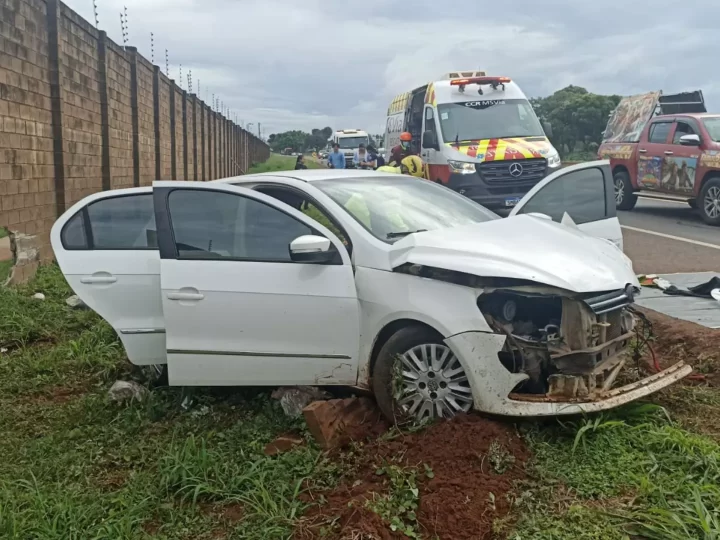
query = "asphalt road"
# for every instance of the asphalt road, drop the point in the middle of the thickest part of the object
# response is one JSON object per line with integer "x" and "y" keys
{"x": 663, "y": 236}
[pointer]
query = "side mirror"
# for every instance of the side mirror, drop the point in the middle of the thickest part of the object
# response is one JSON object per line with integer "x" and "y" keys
{"x": 429, "y": 140}
{"x": 312, "y": 249}
{"x": 547, "y": 128}
{"x": 690, "y": 140}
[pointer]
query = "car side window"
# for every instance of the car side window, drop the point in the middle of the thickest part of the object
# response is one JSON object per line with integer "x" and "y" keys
{"x": 430, "y": 121}
{"x": 659, "y": 132}
{"x": 220, "y": 225}
{"x": 580, "y": 193}
{"x": 114, "y": 223}
{"x": 682, "y": 128}
{"x": 308, "y": 207}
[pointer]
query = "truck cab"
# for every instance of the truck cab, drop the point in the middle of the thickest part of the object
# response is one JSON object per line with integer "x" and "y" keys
{"x": 349, "y": 141}
{"x": 675, "y": 154}
{"x": 477, "y": 134}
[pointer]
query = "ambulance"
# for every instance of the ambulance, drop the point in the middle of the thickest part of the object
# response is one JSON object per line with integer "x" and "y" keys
{"x": 477, "y": 134}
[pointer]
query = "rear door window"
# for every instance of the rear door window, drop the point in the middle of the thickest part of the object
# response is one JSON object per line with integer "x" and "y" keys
{"x": 659, "y": 132}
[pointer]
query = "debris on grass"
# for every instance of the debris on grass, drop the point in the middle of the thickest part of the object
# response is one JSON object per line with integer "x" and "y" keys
{"x": 293, "y": 399}
{"x": 124, "y": 391}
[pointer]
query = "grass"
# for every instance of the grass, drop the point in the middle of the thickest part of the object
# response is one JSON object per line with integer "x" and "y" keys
{"x": 3, "y": 232}
{"x": 278, "y": 162}
{"x": 77, "y": 466}
{"x": 188, "y": 464}
{"x": 629, "y": 472}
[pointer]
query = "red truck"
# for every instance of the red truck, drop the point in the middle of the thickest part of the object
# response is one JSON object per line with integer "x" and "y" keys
{"x": 666, "y": 144}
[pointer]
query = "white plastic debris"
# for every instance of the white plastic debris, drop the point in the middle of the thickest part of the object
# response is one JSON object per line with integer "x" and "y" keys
{"x": 39, "y": 296}
{"x": 123, "y": 391}
{"x": 293, "y": 399}
{"x": 75, "y": 302}
{"x": 662, "y": 283}
{"x": 715, "y": 293}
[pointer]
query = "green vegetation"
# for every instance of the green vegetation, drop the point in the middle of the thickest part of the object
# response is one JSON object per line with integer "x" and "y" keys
{"x": 187, "y": 464}
{"x": 278, "y": 162}
{"x": 3, "y": 232}
{"x": 77, "y": 466}
{"x": 613, "y": 475}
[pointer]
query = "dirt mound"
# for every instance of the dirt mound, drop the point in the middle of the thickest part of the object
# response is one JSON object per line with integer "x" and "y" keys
{"x": 464, "y": 469}
{"x": 677, "y": 340}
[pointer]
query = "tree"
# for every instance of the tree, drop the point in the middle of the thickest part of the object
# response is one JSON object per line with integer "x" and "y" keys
{"x": 300, "y": 141}
{"x": 578, "y": 117}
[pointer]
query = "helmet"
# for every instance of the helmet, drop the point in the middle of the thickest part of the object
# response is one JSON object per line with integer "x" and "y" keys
{"x": 413, "y": 165}
{"x": 405, "y": 136}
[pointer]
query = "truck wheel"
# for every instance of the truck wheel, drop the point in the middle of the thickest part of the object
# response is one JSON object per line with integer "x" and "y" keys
{"x": 625, "y": 199}
{"x": 709, "y": 202}
{"x": 418, "y": 378}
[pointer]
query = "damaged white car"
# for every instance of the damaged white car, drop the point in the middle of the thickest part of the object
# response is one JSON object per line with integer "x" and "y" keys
{"x": 383, "y": 282}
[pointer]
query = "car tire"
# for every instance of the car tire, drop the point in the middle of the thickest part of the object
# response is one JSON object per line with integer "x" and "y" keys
{"x": 625, "y": 198}
{"x": 418, "y": 378}
{"x": 709, "y": 202}
{"x": 692, "y": 203}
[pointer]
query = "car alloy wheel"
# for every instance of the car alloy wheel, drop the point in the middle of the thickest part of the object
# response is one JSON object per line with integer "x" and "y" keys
{"x": 619, "y": 191}
{"x": 711, "y": 202}
{"x": 432, "y": 383}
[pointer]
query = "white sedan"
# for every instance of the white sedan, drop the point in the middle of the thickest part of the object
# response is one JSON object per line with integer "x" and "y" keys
{"x": 385, "y": 282}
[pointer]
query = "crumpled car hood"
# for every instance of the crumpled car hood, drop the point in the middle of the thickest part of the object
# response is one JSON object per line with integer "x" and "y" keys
{"x": 521, "y": 247}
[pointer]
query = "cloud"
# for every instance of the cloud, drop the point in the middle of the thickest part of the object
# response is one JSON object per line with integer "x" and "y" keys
{"x": 299, "y": 65}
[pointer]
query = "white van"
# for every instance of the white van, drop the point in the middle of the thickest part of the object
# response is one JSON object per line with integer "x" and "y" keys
{"x": 478, "y": 135}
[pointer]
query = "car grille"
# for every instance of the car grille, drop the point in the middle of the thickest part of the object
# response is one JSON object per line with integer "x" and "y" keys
{"x": 498, "y": 172}
{"x": 608, "y": 302}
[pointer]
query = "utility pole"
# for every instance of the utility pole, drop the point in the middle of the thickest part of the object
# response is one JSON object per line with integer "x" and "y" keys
{"x": 259, "y": 130}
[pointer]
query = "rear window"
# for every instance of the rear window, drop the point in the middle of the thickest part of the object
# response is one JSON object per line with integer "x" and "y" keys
{"x": 659, "y": 132}
{"x": 116, "y": 223}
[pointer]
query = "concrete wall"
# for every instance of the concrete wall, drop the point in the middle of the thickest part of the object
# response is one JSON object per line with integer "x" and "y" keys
{"x": 80, "y": 114}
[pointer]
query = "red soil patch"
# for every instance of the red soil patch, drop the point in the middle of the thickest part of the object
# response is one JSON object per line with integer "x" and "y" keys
{"x": 461, "y": 501}
{"x": 677, "y": 340}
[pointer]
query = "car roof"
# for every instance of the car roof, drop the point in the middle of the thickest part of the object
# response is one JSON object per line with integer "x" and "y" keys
{"x": 306, "y": 175}
{"x": 690, "y": 115}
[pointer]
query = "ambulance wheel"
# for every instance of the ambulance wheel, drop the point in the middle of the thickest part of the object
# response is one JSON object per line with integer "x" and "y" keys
{"x": 625, "y": 198}
{"x": 709, "y": 202}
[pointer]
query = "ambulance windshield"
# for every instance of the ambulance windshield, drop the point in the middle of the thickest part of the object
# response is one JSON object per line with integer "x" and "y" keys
{"x": 488, "y": 119}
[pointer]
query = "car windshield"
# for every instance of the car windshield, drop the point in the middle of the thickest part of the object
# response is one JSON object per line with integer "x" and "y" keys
{"x": 488, "y": 119}
{"x": 394, "y": 207}
{"x": 347, "y": 143}
{"x": 712, "y": 125}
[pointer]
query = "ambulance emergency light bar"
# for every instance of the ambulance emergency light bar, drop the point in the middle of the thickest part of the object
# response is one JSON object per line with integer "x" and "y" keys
{"x": 492, "y": 81}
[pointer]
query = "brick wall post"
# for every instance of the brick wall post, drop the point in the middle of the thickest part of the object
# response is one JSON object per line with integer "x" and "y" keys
{"x": 195, "y": 141}
{"x": 173, "y": 141}
{"x": 104, "y": 111}
{"x": 202, "y": 142}
{"x": 132, "y": 51}
{"x": 53, "y": 23}
{"x": 185, "y": 135}
{"x": 156, "y": 117}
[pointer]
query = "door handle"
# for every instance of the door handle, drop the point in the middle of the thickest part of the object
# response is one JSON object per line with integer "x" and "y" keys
{"x": 642, "y": 150}
{"x": 668, "y": 153}
{"x": 98, "y": 280}
{"x": 185, "y": 296}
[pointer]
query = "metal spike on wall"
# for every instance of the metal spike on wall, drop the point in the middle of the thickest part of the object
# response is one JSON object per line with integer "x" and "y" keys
{"x": 167, "y": 63}
{"x": 126, "y": 35}
{"x": 95, "y": 13}
{"x": 190, "y": 81}
{"x": 152, "y": 47}
{"x": 180, "y": 81}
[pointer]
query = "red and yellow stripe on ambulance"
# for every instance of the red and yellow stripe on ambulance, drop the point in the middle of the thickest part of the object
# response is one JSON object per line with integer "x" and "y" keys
{"x": 503, "y": 149}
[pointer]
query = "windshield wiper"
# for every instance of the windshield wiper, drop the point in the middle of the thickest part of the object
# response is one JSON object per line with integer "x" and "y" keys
{"x": 400, "y": 234}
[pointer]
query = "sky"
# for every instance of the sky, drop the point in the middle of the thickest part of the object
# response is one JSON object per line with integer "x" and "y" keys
{"x": 303, "y": 64}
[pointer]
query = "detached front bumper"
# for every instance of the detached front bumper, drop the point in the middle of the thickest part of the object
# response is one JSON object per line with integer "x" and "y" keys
{"x": 492, "y": 384}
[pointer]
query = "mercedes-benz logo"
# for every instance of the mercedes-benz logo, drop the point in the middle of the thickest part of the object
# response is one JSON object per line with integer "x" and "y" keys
{"x": 515, "y": 170}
